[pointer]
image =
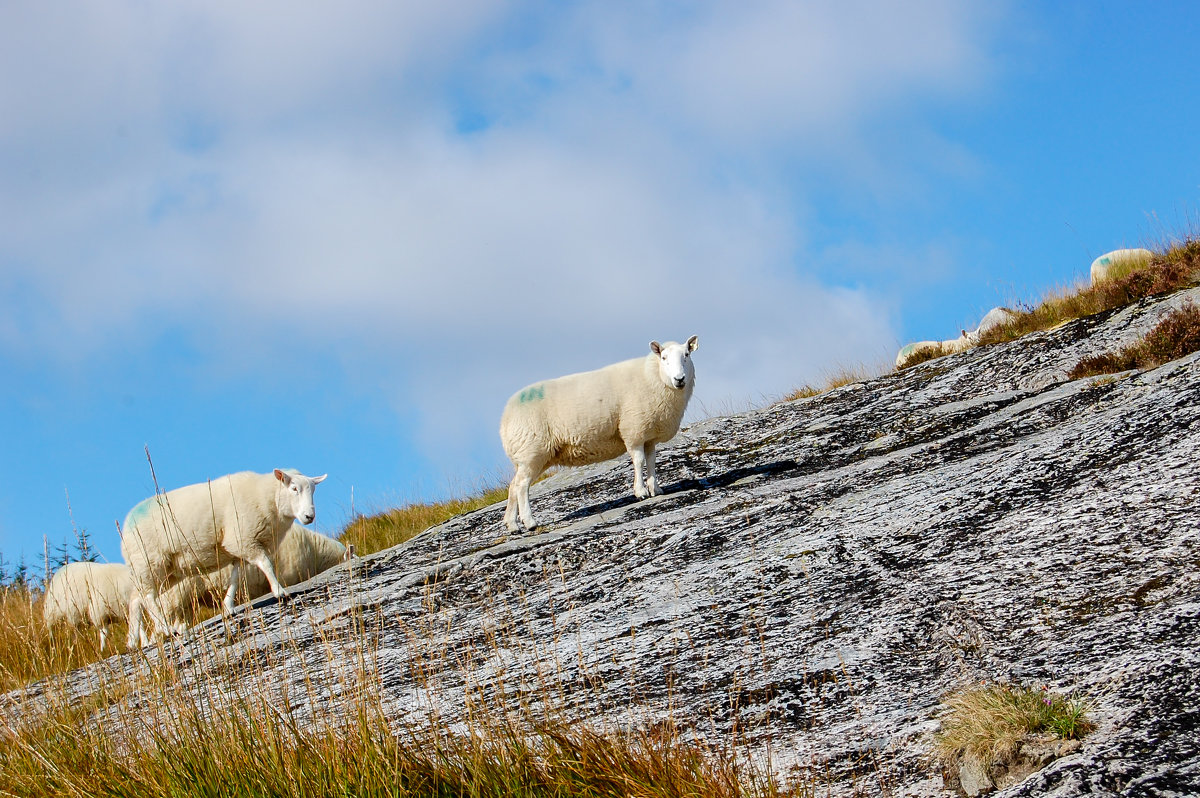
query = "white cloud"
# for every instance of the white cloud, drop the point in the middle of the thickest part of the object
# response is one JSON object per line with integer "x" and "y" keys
{"x": 239, "y": 168}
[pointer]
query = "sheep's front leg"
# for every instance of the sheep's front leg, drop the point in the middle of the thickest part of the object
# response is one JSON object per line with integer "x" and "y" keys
{"x": 264, "y": 564}
{"x": 651, "y": 478}
{"x": 103, "y": 636}
{"x": 638, "y": 455}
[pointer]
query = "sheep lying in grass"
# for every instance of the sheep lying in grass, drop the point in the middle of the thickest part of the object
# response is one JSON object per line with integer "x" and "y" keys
{"x": 90, "y": 592}
{"x": 1105, "y": 266}
{"x": 593, "y": 416}
{"x": 302, "y": 554}
{"x": 927, "y": 350}
{"x": 993, "y": 319}
{"x": 236, "y": 519}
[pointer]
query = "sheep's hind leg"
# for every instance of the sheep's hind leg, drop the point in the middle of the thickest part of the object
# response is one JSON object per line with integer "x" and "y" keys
{"x": 510, "y": 509}
{"x": 526, "y": 474}
{"x": 235, "y": 575}
{"x": 150, "y": 602}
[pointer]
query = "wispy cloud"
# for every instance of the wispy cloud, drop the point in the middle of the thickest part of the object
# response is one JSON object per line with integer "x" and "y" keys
{"x": 473, "y": 195}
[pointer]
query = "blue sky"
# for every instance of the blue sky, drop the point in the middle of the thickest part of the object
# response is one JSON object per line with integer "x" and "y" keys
{"x": 337, "y": 237}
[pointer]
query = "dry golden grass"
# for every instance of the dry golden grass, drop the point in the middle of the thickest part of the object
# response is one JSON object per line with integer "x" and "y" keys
{"x": 240, "y": 731}
{"x": 377, "y": 532}
{"x": 1178, "y": 266}
{"x": 924, "y": 354}
{"x": 988, "y": 722}
{"x": 28, "y": 650}
{"x": 837, "y": 378}
{"x": 1178, "y": 334}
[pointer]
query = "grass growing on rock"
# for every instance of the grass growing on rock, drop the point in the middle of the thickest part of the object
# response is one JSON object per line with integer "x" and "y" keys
{"x": 987, "y": 723}
{"x": 837, "y": 378}
{"x": 224, "y": 723}
{"x": 1178, "y": 267}
{"x": 373, "y": 533}
{"x": 28, "y": 650}
{"x": 922, "y": 355}
{"x": 1178, "y": 334}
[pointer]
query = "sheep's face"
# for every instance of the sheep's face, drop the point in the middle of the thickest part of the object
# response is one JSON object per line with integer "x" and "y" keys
{"x": 295, "y": 495}
{"x": 675, "y": 367}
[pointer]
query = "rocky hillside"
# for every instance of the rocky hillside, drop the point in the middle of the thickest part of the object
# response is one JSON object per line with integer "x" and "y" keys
{"x": 820, "y": 573}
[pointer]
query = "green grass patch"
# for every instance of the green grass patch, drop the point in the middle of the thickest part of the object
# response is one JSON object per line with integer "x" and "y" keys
{"x": 1178, "y": 334}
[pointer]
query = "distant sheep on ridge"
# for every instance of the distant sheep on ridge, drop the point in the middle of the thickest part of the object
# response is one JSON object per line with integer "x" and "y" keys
{"x": 1104, "y": 266}
{"x": 996, "y": 317}
{"x": 593, "y": 416}
{"x": 93, "y": 593}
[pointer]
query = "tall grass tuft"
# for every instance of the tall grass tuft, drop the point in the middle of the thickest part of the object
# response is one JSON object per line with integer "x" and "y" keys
{"x": 30, "y": 651}
{"x": 1178, "y": 334}
{"x": 377, "y": 532}
{"x": 239, "y": 732}
{"x": 988, "y": 723}
{"x": 836, "y": 378}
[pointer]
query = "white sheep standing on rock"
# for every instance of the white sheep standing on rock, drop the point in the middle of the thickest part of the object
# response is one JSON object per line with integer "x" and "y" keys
{"x": 302, "y": 554}
{"x": 237, "y": 519}
{"x": 90, "y": 592}
{"x": 593, "y": 416}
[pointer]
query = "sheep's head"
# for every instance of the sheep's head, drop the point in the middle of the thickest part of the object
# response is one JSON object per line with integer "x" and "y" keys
{"x": 295, "y": 494}
{"x": 675, "y": 367}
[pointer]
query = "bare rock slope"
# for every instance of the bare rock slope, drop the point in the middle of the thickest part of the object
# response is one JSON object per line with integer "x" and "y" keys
{"x": 820, "y": 573}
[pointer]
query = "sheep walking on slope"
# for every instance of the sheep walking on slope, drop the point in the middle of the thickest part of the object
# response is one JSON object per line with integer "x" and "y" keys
{"x": 237, "y": 519}
{"x": 90, "y": 592}
{"x": 593, "y": 416}
{"x": 302, "y": 554}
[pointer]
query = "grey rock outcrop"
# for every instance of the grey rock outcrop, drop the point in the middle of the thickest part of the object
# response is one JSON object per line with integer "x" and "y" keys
{"x": 819, "y": 573}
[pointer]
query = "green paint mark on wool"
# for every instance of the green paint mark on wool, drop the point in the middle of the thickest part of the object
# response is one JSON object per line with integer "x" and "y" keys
{"x": 532, "y": 394}
{"x": 142, "y": 511}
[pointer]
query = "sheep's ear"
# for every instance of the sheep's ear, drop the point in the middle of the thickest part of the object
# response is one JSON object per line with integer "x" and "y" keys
{"x": 693, "y": 343}
{"x": 656, "y": 347}
{"x": 283, "y": 476}
{"x": 319, "y": 480}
